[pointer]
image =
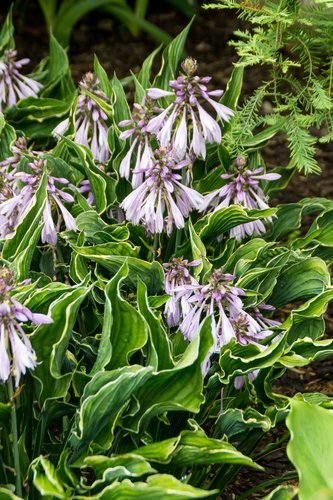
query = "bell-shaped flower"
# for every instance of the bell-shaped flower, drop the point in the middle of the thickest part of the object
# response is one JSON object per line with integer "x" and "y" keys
{"x": 13, "y": 85}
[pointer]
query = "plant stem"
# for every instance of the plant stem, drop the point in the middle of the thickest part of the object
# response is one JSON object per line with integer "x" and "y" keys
{"x": 155, "y": 245}
{"x": 18, "y": 478}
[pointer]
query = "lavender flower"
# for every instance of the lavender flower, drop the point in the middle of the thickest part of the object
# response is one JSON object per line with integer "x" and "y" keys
{"x": 19, "y": 148}
{"x": 243, "y": 189}
{"x": 177, "y": 274}
{"x": 141, "y": 142}
{"x": 16, "y": 352}
{"x": 161, "y": 192}
{"x": 248, "y": 332}
{"x": 220, "y": 299}
{"x": 14, "y": 209}
{"x": 90, "y": 120}
{"x": 13, "y": 85}
{"x": 173, "y": 122}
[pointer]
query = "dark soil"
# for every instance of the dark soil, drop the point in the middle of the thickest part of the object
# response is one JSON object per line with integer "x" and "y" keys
{"x": 208, "y": 40}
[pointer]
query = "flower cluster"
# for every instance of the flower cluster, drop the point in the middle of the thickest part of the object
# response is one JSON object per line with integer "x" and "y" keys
{"x": 13, "y": 210}
{"x": 177, "y": 274}
{"x": 180, "y": 133}
{"x": 90, "y": 120}
{"x": 161, "y": 201}
{"x": 220, "y": 299}
{"x": 16, "y": 352}
{"x": 13, "y": 85}
{"x": 141, "y": 142}
{"x": 185, "y": 122}
{"x": 242, "y": 189}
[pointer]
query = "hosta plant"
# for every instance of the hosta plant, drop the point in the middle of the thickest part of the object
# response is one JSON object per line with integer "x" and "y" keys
{"x": 150, "y": 295}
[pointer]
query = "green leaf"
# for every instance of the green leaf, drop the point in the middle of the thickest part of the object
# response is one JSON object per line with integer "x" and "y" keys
{"x": 124, "y": 329}
{"x": 157, "y": 487}
{"x": 45, "y": 479}
{"x": 108, "y": 469}
{"x": 7, "y": 137}
{"x": 222, "y": 220}
{"x": 6, "y": 494}
{"x": 51, "y": 341}
{"x": 300, "y": 281}
{"x": 7, "y": 32}
{"x": 104, "y": 399}
{"x": 282, "y": 493}
{"x": 58, "y": 74}
{"x": 179, "y": 388}
{"x": 158, "y": 348}
{"x": 171, "y": 57}
{"x": 20, "y": 247}
{"x": 237, "y": 359}
{"x": 310, "y": 449}
{"x": 150, "y": 273}
{"x": 102, "y": 185}
{"x": 259, "y": 140}
{"x": 198, "y": 252}
{"x": 145, "y": 71}
{"x": 120, "y": 105}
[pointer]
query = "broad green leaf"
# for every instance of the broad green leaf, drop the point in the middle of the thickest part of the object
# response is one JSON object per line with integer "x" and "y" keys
{"x": 6, "y": 494}
{"x": 310, "y": 449}
{"x": 124, "y": 329}
{"x": 157, "y": 487}
{"x": 45, "y": 479}
{"x": 237, "y": 359}
{"x": 51, "y": 341}
{"x": 260, "y": 139}
{"x": 235, "y": 421}
{"x": 307, "y": 320}
{"x": 37, "y": 116}
{"x": 193, "y": 448}
{"x": 220, "y": 221}
{"x": 103, "y": 78}
{"x": 108, "y": 469}
{"x": 282, "y": 493}
{"x": 20, "y": 247}
{"x": 179, "y": 388}
{"x": 300, "y": 281}
{"x": 150, "y": 273}
{"x": 304, "y": 351}
{"x": 158, "y": 348}
{"x": 57, "y": 81}
{"x": 234, "y": 87}
{"x": 104, "y": 399}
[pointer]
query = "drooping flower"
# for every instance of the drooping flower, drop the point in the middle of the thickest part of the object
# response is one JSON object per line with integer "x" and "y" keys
{"x": 16, "y": 352}
{"x": 177, "y": 274}
{"x": 242, "y": 189}
{"x": 90, "y": 120}
{"x": 14, "y": 209}
{"x": 13, "y": 85}
{"x": 141, "y": 142}
{"x": 248, "y": 331}
{"x": 161, "y": 201}
{"x": 220, "y": 299}
{"x": 18, "y": 149}
{"x": 185, "y": 121}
